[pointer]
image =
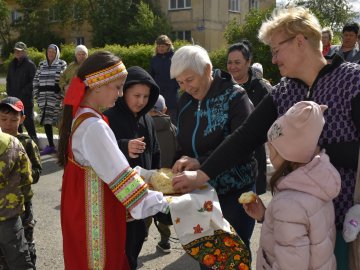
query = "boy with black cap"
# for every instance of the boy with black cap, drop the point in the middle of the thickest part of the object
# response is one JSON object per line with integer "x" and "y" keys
{"x": 15, "y": 189}
{"x": 11, "y": 117}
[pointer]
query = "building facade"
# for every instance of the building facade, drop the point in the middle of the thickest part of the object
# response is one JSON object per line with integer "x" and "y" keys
{"x": 203, "y": 21}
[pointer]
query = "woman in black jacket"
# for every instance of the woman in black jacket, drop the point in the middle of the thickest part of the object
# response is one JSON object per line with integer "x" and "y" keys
{"x": 160, "y": 71}
{"x": 239, "y": 66}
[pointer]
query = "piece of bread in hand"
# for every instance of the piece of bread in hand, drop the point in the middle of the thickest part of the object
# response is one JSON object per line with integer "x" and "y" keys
{"x": 247, "y": 197}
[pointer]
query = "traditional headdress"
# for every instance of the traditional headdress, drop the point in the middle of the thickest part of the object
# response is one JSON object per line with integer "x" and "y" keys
{"x": 76, "y": 90}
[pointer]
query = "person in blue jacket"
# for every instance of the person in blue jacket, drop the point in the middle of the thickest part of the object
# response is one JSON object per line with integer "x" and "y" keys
{"x": 160, "y": 71}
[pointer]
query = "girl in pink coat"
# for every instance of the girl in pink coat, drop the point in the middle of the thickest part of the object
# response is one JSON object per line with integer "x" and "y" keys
{"x": 298, "y": 229}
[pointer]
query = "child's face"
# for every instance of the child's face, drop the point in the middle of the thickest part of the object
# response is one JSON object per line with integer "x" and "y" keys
{"x": 106, "y": 95}
{"x": 275, "y": 158}
{"x": 137, "y": 97}
{"x": 10, "y": 122}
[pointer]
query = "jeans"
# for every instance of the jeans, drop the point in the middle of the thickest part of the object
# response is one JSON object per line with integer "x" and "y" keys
{"x": 235, "y": 214}
{"x": 14, "y": 245}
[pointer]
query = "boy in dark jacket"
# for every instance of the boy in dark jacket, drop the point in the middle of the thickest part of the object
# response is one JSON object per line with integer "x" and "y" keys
{"x": 11, "y": 117}
{"x": 136, "y": 136}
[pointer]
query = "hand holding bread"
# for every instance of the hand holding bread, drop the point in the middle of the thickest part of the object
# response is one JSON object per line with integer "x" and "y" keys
{"x": 247, "y": 197}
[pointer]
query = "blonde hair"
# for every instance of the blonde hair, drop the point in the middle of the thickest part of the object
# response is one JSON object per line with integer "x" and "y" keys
{"x": 329, "y": 31}
{"x": 292, "y": 21}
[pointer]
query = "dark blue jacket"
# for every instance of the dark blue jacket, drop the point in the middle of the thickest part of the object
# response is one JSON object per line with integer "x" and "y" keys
{"x": 203, "y": 126}
{"x": 19, "y": 80}
{"x": 160, "y": 71}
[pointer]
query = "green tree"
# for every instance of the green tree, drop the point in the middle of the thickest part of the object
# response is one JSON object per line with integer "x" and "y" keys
{"x": 34, "y": 25}
{"x": 235, "y": 32}
{"x": 4, "y": 25}
{"x": 147, "y": 25}
{"x": 332, "y": 13}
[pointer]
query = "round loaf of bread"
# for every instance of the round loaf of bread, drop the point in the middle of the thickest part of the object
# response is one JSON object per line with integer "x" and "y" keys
{"x": 247, "y": 197}
{"x": 161, "y": 181}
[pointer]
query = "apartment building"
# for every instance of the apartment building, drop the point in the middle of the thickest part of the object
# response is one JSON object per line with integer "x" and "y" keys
{"x": 199, "y": 21}
{"x": 204, "y": 21}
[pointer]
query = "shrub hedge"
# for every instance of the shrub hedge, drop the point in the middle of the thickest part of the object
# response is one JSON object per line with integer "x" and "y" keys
{"x": 134, "y": 55}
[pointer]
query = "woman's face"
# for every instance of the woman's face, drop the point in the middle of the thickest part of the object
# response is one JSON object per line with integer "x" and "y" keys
{"x": 194, "y": 84}
{"x": 106, "y": 95}
{"x": 51, "y": 54}
{"x": 286, "y": 55}
{"x": 275, "y": 158}
{"x": 162, "y": 48}
{"x": 80, "y": 57}
{"x": 237, "y": 65}
{"x": 325, "y": 38}
{"x": 137, "y": 97}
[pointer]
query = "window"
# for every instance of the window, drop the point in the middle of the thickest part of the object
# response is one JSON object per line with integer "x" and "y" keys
{"x": 253, "y": 4}
{"x": 183, "y": 35}
{"x": 80, "y": 40}
{"x": 15, "y": 16}
{"x": 234, "y": 5}
{"x": 179, "y": 4}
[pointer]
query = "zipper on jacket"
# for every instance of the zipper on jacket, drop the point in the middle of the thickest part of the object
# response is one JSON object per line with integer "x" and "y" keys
{"x": 195, "y": 130}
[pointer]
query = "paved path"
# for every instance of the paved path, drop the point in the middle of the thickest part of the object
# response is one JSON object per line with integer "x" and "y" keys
{"x": 48, "y": 231}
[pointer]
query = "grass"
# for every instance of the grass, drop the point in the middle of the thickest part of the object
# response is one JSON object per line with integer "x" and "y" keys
{"x": 39, "y": 128}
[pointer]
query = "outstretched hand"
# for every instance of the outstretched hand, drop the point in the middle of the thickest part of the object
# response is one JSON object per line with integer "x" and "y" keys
{"x": 188, "y": 181}
{"x": 185, "y": 163}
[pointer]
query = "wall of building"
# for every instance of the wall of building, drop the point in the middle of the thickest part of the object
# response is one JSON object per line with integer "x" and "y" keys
{"x": 207, "y": 19}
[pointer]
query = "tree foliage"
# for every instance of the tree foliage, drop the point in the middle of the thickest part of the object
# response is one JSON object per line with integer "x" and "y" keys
{"x": 4, "y": 24}
{"x": 122, "y": 22}
{"x": 236, "y": 32}
{"x": 332, "y": 13}
{"x": 147, "y": 25}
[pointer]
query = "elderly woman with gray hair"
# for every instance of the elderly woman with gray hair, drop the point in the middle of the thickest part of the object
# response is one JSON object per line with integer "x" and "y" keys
{"x": 212, "y": 107}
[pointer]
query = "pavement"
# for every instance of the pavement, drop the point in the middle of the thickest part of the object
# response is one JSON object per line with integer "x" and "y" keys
{"x": 48, "y": 238}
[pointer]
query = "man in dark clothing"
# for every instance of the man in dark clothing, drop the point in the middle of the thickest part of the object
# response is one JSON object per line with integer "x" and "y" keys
{"x": 19, "y": 83}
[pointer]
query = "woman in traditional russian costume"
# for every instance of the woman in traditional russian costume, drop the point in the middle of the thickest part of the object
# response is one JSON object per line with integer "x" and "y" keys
{"x": 100, "y": 190}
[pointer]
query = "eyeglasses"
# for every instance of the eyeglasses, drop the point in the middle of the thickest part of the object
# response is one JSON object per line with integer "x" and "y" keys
{"x": 274, "y": 52}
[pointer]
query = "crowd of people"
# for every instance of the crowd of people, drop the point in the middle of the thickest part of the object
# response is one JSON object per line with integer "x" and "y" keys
{"x": 214, "y": 132}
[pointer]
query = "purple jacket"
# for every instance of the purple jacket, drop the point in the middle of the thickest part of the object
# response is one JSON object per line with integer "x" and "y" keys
{"x": 299, "y": 227}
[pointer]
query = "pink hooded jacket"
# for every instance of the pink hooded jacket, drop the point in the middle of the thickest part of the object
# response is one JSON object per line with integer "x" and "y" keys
{"x": 299, "y": 230}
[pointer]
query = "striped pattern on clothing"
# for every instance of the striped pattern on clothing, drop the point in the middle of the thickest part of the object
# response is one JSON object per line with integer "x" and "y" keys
{"x": 129, "y": 188}
{"x": 46, "y": 84}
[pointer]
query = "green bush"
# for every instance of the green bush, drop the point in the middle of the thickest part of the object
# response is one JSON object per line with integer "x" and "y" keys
{"x": 219, "y": 58}
{"x": 134, "y": 55}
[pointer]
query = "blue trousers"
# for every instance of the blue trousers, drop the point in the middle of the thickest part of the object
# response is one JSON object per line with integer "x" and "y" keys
{"x": 235, "y": 214}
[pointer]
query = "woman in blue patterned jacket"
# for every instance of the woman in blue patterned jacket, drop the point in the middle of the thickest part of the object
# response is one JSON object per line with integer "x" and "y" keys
{"x": 47, "y": 93}
{"x": 211, "y": 108}
{"x": 294, "y": 35}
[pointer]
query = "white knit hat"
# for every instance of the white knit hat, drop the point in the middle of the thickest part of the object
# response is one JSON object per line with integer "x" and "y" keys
{"x": 295, "y": 135}
{"x": 81, "y": 48}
